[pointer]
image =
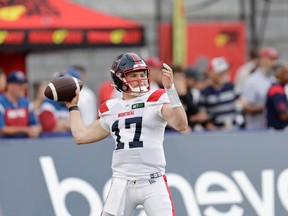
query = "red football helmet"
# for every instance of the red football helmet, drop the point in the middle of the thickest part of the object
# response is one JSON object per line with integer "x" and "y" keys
{"x": 124, "y": 64}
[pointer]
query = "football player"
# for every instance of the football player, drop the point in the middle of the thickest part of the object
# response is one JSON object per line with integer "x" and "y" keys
{"x": 137, "y": 123}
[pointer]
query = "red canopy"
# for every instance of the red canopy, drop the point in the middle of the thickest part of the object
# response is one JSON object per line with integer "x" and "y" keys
{"x": 37, "y": 24}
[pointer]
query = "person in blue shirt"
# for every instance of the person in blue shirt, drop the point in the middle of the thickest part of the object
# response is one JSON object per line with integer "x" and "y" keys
{"x": 17, "y": 117}
{"x": 277, "y": 103}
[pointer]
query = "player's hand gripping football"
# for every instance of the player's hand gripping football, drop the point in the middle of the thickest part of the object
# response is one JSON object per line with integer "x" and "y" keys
{"x": 167, "y": 78}
{"x": 74, "y": 101}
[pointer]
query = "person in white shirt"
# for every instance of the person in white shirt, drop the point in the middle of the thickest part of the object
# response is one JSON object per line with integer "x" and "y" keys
{"x": 245, "y": 70}
{"x": 87, "y": 101}
{"x": 137, "y": 122}
{"x": 155, "y": 65}
{"x": 255, "y": 90}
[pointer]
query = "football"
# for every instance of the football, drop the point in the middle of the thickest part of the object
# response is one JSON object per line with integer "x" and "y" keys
{"x": 63, "y": 88}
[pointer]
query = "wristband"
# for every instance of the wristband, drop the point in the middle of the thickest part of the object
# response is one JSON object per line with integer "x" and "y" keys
{"x": 73, "y": 108}
{"x": 173, "y": 97}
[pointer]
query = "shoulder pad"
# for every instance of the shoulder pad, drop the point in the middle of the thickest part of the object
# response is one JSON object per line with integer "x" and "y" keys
{"x": 103, "y": 108}
{"x": 156, "y": 95}
{"x": 108, "y": 105}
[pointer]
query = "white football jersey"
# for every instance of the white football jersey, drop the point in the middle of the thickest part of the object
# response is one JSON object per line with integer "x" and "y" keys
{"x": 138, "y": 127}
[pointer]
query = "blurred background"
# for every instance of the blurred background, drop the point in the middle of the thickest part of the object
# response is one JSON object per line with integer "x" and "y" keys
{"x": 214, "y": 27}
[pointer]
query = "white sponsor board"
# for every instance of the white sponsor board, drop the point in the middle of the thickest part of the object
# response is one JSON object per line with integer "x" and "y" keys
{"x": 209, "y": 174}
{"x": 235, "y": 189}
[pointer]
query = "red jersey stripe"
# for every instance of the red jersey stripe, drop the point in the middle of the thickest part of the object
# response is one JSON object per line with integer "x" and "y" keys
{"x": 103, "y": 108}
{"x": 170, "y": 197}
{"x": 155, "y": 95}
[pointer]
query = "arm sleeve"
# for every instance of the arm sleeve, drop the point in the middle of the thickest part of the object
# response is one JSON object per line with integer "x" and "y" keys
{"x": 103, "y": 124}
{"x": 159, "y": 103}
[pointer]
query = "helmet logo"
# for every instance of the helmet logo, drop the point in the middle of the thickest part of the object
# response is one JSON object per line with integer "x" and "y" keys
{"x": 115, "y": 65}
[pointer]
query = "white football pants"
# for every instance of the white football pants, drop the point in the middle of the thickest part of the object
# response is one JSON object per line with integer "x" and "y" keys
{"x": 154, "y": 195}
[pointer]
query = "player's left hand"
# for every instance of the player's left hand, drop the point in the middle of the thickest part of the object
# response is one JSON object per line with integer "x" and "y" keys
{"x": 167, "y": 78}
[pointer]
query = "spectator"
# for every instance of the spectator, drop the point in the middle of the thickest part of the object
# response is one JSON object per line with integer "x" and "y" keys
{"x": 182, "y": 91}
{"x": 39, "y": 96}
{"x": 219, "y": 98}
{"x": 286, "y": 90}
{"x": 277, "y": 103}
{"x": 105, "y": 91}
{"x": 53, "y": 115}
{"x": 155, "y": 65}
{"x": 286, "y": 87}
{"x": 255, "y": 90}
{"x": 195, "y": 82}
{"x": 17, "y": 117}
{"x": 246, "y": 69}
{"x": 2, "y": 81}
{"x": 87, "y": 101}
{"x": 179, "y": 80}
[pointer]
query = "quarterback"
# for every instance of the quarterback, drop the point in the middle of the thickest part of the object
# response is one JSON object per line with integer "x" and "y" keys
{"x": 137, "y": 122}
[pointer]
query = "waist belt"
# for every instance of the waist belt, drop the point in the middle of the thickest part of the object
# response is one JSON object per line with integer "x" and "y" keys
{"x": 155, "y": 175}
{"x": 144, "y": 181}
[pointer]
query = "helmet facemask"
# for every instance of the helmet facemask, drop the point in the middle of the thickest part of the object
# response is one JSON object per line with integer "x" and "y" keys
{"x": 136, "y": 87}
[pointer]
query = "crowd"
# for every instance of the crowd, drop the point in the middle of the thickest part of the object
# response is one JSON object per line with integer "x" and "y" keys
{"x": 256, "y": 99}
{"x": 23, "y": 117}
